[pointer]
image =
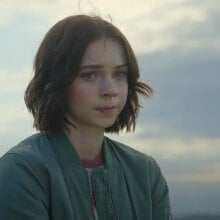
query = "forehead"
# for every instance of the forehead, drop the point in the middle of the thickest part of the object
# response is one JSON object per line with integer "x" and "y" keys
{"x": 104, "y": 51}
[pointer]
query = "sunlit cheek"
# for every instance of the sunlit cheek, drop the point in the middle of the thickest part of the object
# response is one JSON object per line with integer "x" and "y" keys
{"x": 79, "y": 96}
{"x": 82, "y": 97}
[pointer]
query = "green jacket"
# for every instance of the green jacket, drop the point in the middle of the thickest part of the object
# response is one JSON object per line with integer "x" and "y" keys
{"x": 42, "y": 179}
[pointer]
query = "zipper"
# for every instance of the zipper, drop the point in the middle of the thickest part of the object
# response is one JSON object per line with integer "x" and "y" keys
{"x": 109, "y": 192}
{"x": 89, "y": 178}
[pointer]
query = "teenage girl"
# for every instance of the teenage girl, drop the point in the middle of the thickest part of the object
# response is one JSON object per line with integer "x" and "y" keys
{"x": 85, "y": 83}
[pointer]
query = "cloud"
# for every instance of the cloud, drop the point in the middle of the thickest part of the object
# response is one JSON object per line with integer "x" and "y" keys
{"x": 173, "y": 148}
{"x": 166, "y": 24}
{"x": 185, "y": 102}
{"x": 11, "y": 116}
{"x": 12, "y": 82}
{"x": 13, "y": 112}
{"x": 149, "y": 25}
{"x": 200, "y": 178}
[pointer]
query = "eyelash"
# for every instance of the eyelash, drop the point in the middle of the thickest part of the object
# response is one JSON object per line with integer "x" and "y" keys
{"x": 92, "y": 76}
{"x": 122, "y": 74}
{"x": 88, "y": 76}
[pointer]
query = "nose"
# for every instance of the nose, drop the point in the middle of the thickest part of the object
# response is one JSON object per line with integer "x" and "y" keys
{"x": 108, "y": 88}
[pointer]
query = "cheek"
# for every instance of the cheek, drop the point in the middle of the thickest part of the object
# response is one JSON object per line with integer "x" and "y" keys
{"x": 124, "y": 91}
{"x": 79, "y": 96}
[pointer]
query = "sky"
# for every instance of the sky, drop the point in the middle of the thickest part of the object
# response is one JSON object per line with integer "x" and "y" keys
{"x": 177, "y": 44}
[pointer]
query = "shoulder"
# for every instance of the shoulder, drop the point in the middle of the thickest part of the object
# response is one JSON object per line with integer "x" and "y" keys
{"x": 143, "y": 168}
{"x": 32, "y": 155}
{"x": 127, "y": 151}
{"x": 133, "y": 158}
{"x": 24, "y": 173}
{"x": 34, "y": 146}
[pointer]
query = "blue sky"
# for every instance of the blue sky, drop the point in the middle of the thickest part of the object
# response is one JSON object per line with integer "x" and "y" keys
{"x": 178, "y": 48}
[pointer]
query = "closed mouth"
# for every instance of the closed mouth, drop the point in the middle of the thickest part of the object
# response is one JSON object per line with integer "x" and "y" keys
{"x": 106, "y": 108}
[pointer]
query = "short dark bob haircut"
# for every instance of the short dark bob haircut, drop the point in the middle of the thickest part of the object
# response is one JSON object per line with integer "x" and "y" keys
{"x": 57, "y": 63}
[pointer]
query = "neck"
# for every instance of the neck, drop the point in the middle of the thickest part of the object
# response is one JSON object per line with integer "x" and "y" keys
{"x": 87, "y": 143}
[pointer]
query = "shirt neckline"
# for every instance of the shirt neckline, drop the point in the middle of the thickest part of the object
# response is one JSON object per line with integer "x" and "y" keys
{"x": 97, "y": 162}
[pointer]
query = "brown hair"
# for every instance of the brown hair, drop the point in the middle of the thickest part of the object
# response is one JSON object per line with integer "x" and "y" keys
{"x": 56, "y": 65}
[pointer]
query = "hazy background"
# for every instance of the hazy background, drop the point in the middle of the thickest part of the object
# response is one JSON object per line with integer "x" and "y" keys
{"x": 177, "y": 43}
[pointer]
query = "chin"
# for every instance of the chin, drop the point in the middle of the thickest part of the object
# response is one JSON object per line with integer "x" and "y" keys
{"x": 109, "y": 125}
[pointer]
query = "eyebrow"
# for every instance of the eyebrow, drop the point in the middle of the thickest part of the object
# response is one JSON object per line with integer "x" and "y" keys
{"x": 100, "y": 66}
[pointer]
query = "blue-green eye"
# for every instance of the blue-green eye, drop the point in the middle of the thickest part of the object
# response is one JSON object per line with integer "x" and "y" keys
{"x": 89, "y": 76}
{"x": 120, "y": 74}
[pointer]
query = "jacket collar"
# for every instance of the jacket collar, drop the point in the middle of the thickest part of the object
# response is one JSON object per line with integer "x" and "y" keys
{"x": 66, "y": 152}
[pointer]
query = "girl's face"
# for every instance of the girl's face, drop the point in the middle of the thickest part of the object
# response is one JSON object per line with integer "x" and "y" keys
{"x": 99, "y": 92}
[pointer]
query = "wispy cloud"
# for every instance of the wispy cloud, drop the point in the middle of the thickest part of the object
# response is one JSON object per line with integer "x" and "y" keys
{"x": 201, "y": 177}
{"x": 173, "y": 148}
{"x": 149, "y": 25}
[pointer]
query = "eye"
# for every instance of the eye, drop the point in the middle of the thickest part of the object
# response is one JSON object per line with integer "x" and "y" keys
{"x": 89, "y": 76}
{"x": 121, "y": 74}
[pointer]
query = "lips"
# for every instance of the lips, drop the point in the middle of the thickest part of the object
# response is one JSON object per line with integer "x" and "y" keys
{"x": 106, "y": 109}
